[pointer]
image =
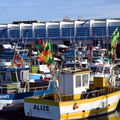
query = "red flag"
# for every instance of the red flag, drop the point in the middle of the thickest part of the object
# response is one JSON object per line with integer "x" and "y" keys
{"x": 39, "y": 41}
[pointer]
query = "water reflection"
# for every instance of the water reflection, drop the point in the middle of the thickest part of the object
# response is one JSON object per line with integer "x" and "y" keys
{"x": 112, "y": 116}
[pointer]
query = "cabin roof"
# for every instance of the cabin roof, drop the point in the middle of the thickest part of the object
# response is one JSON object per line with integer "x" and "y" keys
{"x": 75, "y": 70}
{"x": 14, "y": 69}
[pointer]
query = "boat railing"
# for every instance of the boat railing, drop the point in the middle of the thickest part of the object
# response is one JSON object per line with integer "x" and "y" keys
{"x": 13, "y": 89}
{"x": 90, "y": 94}
{"x": 7, "y": 89}
{"x": 94, "y": 93}
{"x": 38, "y": 88}
{"x": 97, "y": 93}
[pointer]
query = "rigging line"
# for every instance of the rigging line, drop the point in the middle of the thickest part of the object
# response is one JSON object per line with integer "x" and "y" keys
{"x": 26, "y": 38}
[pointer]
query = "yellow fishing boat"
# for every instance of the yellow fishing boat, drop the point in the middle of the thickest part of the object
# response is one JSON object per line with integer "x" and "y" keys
{"x": 75, "y": 97}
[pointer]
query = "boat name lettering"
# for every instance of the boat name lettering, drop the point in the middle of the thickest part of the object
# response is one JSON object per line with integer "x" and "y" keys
{"x": 42, "y": 107}
{"x": 4, "y": 96}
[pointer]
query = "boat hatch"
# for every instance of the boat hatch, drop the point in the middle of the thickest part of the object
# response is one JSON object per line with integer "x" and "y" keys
{"x": 100, "y": 69}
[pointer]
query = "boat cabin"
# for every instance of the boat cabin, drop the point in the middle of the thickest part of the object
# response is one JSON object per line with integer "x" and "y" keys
{"x": 73, "y": 81}
{"x": 12, "y": 78}
{"x": 73, "y": 98}
{"x": 13, "y": 75}
{"x": 101, "y": 69}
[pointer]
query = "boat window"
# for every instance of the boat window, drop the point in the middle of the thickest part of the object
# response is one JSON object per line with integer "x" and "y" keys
{"x": 107, "y": 70}
{"x": 5, "y": 77}
{"x": 14, "y": 79}
{"x": 19, "y": 76}
{"x": 72, "y": 65}
{"x": 78, "y": 81}
{"x": 85, "y": 80}
{"x": 2, "y": 76}
{"x": 93, "y": 69}
{"x": 99, "y": 69}
{"x": 96, "y": 53}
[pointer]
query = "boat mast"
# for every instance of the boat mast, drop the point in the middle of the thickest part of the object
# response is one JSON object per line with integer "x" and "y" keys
{"x": 74, "y": 47}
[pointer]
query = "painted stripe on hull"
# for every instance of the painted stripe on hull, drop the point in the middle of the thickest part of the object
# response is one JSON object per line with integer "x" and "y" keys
{"x": 4, "y": 103}
{"x": 78, "y": 115}
{"x": 68, "y": 103}
{"x": 105, "y": 103}
{"x": 16, "y": 96}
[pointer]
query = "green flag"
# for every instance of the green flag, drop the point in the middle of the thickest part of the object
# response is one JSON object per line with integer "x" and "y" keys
{"x": 38, "y": 47}
{"x": 46, "y": 46}
{"x": 115, "y": 31}
{"x": 115, "y": 38}
{"x": 51, "y": 60}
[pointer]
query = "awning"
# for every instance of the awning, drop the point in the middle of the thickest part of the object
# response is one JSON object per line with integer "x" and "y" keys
{"x": 62, "y": 46}
{"x": 56, "y": 59}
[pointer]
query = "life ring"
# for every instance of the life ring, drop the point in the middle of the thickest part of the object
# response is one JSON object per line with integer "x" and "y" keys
{"x": 18, "y": 60}
{"x": 75, "y": 106}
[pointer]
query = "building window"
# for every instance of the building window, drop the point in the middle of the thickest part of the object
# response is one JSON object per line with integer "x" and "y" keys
{"x": 78, "y": 81}
{"x": 98, "y": 31}
{"x": 5, "y": 77}
{"x": 27, "y": 33}
{"x": 53, "y": 32}
{"x": 85, "y": 80}
{"x": 3, "y": 33}
{"x": 67, "y": 32}
{"x": 82, "y": 31}
{"x": 40, "y": 32}
{"x": 14, "y": 33}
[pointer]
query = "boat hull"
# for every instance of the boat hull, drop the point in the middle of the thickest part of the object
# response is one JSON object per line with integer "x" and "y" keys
{"x": 13, "y": 99}
{"x": 65, "y": 110}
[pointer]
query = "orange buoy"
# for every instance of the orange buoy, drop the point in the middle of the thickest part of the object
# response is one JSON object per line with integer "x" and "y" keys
{"x": 75, "y": 106}
{"x": 18, "y": 60}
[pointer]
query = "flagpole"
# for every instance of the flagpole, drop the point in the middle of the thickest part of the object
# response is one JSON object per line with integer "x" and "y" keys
{"x": 115, "y": 37}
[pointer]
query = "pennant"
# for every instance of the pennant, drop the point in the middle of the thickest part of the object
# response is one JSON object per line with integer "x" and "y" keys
{"x": 41, "y": 58}
{"x": 115, "y": 38}
{"x": 115, "y": 31}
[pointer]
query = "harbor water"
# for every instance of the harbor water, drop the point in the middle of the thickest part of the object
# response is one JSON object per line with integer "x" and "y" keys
{"x": 20, "y": 116}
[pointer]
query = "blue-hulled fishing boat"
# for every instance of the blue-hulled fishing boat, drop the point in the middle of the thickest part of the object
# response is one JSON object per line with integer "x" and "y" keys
{"x": 15, "y": 79}
{"x": 15, "y": 84}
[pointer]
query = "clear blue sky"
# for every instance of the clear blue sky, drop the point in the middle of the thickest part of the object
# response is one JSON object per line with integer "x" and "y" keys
{"x": 45, "y": 10}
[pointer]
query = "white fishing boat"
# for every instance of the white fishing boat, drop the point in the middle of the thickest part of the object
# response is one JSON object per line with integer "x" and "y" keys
{"x": 74, "y": 97}
{"x": 15, "y": 83}
{"x": 100, "y": 68}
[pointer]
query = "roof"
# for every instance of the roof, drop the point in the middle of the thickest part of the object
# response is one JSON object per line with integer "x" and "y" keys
{"x": 14, "y": 69}
{"x": 75, "y": 70}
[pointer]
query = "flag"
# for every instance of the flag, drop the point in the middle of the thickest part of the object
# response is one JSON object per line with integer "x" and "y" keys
{"x": 45, "y": 52}
{"x": 41, "y": 58}
{"x": 38, "y": 47}
{"x": 48, "y": 46}
{"x": 46, "y": 58}
{"x": 115, "y": 39}
{"x": 43, "y": 45}
{"x": 39, "y": 41}
{"x": 51, "y": 60}
{"x": 115, "y": 31}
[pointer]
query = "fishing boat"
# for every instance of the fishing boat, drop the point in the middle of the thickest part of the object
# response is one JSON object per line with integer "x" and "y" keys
{"x": 15, "y": 83}
{"x": 74, "y": 97}
{"x": 101, "y": 68}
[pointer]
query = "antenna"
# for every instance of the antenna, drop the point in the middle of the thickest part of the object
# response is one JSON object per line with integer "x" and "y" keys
{"x": 74, "y": 51}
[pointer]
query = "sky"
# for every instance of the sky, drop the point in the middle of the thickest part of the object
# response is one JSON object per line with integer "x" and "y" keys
{"x": 52, "y": 10}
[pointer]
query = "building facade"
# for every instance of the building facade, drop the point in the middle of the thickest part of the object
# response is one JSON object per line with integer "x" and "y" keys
{"x": 92, "y": 31}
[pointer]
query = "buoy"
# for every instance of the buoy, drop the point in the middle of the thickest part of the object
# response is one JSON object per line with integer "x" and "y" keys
{"x": 75, "y": 106}
{"x": 18, "y": 60}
